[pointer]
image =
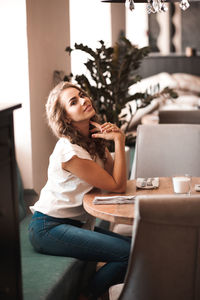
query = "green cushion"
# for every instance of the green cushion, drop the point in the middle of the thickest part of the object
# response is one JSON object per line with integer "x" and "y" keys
{"x": 47, "y": 276}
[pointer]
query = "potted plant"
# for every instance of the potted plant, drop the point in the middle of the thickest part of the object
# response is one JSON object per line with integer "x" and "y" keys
{"x": 112, "y": 71}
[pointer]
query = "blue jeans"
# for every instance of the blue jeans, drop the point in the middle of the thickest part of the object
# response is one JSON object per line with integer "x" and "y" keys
{"x": 65, "y": 237}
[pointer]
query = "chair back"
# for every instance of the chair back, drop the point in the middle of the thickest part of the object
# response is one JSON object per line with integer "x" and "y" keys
{"x": 165, "y": 255}
{"x": 165, "y": 150}
{"x": 179, "y": 116}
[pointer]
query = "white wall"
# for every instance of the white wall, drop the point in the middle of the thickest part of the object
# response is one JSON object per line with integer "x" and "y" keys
{"x": 34, "y": 35}
{"x": 137, "y": 25}
{"x": 14, "y": 78}
{"x": 90, "y": 22}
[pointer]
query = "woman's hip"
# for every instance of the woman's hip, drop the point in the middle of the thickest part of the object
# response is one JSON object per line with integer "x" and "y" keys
{"x": 68, "y": 238}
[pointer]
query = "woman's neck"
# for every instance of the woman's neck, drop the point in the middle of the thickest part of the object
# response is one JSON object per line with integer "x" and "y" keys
{"x": 83, "y": 128}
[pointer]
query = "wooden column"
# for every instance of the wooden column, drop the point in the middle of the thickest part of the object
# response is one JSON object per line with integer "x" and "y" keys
{"x": 118, "y": 21}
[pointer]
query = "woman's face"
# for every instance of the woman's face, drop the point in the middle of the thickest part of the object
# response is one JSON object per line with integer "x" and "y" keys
{"x": 78, "y": 106}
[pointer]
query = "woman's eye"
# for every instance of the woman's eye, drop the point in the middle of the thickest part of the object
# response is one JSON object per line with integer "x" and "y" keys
{"x": 73, "y": 102}
{"x": 83, "y": 95}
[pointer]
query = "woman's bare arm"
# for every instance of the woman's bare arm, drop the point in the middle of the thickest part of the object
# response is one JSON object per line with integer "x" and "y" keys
{"x": 113, "y": 177}
{"x": 109, "y": 163}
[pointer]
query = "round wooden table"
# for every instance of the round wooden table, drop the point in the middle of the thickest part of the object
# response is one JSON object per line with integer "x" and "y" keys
{"x": 124, "y": 213}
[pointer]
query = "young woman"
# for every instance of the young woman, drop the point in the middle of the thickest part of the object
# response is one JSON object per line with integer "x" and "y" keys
{"x": 79, "y": 162}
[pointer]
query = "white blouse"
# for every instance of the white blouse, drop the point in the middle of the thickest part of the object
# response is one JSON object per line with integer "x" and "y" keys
{"x": 63, "y": 193}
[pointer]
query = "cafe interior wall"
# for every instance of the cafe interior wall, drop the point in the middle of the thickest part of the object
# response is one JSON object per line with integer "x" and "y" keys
{"x": 32, "y": 48}
{"x": 33, "y": 38}
{"x": 14, "y": 78}
{"x": 181, "y": 32}
{"x": 34, "y": 35}
{"x": 48, "y": 33}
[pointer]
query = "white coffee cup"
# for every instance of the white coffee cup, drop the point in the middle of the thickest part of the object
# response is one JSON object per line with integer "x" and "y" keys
{"x": 181, "y": 184}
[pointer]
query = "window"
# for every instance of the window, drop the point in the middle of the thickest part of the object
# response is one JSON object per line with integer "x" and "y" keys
{"x": 89, "y": 23}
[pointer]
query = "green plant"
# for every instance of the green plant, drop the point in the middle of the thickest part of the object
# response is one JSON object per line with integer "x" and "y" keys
{"x": 112, "y": 70}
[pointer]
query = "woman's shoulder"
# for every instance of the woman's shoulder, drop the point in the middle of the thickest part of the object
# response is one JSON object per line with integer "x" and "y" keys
{"x": 65, "y": 145}
{"x": 65, "y": 142}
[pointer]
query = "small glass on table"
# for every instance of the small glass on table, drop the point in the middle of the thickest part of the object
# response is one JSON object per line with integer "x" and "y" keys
{"x": 182, "y": 184}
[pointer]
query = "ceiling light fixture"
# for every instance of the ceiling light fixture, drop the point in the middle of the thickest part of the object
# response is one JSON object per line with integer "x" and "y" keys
{"x": 153, "y": 6}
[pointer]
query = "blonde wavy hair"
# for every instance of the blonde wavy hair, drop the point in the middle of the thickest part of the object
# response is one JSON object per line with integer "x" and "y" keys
{"x": 61, "y": 126}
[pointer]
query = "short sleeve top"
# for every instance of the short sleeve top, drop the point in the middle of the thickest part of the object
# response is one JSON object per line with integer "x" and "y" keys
{"x": 62, "y": 196}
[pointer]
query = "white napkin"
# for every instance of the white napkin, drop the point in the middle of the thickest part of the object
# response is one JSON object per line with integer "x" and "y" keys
{"x": 114, "y": 200}
{"x": 147, "y": 183}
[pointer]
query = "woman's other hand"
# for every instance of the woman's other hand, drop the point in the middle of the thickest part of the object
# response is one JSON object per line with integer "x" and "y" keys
{"x": 107, "y": 131}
